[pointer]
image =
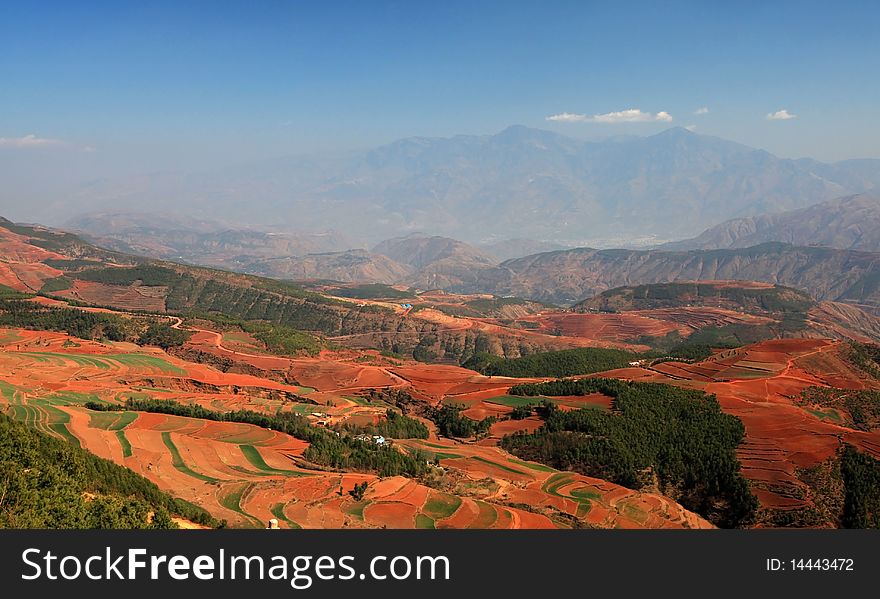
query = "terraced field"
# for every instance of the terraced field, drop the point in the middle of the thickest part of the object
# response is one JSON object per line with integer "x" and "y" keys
{"x": 247, "y": 474}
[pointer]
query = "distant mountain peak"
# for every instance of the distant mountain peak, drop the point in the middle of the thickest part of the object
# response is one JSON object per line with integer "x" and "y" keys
{"x": 523, "y": 134}
{"x": 514, "y": 129}
{"x": 675, "y": 132}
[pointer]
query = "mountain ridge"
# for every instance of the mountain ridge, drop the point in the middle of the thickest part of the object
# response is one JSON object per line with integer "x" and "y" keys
{"x": 518, "y": 183}
{"x": 569, "y": 276}
{"x": 847, "y": 223}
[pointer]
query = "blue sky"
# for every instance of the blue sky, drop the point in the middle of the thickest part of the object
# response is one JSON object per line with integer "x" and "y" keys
{"x": 186, "y": 84}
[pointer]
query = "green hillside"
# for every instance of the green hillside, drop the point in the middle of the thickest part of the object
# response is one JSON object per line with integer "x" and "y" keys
{"x": 48, "y": 483}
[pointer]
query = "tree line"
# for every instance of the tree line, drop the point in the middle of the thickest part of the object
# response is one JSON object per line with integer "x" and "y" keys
{"x": 566, "y": 362}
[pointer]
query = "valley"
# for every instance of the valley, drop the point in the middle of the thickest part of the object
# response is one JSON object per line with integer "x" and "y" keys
{"x": 356, "y": 405}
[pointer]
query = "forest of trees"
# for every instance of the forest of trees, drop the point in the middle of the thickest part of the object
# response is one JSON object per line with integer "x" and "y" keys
{"x": 448, "y": 417}
{"x": 325, "y": 447}
{"x": 147, "y": 274}
{"x": 451, "y": 423}
{"x": 395, "y": 425}
{"x": 560, "y": 363}
{"x": 161, "y": 334}
{"x": 77, "y": 323}
{"x": 25, "y": 314}
{"x": 679, "y": 436}
{"x": 44, "y": 482}
{"x": 284, "y": 340}
{"x": 865, "y": 356}
{"x": 861, "y": 478}
{"x": 776, "y": 299}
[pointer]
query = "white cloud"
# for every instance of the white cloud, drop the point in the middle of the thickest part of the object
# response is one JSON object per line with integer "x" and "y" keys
{"x": 28, "y": 141}
{"x": 691, "y": 128}
{"x": 781, "y": 115}
{"x": 702, "y": 110}
{"x": 567, "y": 117}
{"x": 631, "y": 115}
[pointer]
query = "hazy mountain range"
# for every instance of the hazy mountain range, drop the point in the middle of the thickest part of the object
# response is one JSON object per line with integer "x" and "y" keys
{"x": 850, "y": 223}
{"x": 201, "y": 241}
{"x": 423, "y": 260}
{"x": 520, "y": 183}
{"x": 562, "y": 276}
{"x": 518, "y": 189}
{"x": 571, "y": 275}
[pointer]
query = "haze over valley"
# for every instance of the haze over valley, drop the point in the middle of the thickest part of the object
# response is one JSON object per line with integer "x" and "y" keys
{"x": 519, "y": 183}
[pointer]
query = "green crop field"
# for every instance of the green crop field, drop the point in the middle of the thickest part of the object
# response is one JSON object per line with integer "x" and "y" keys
{"x": 58, "y": 359}
{"x": 111, "y": 421}
{"x": 9, "y": 392}
{"x": 829, "y": 414}
{"x": 50, "y": 419}
{"x": 123, "y": 441}
{"x": 8, "y": 336}
{"x": 441, "y": 505}
{"x": 355, "y": 509}
{"x": 582, "y": 496}
{"x": 72, "y": 398}
{"x": 278, "y": 511}
{"x": 439, "y": 455}
{"x": 232, "y": 500}
{"x": 518, "y": 401}
{"x": 145, "y": 361}
{"x": 533, "y": 466}
{"x": 253, "y": 456}
{"x": 104, "y": 361}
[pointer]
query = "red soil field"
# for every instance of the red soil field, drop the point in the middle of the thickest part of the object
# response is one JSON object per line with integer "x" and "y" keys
{"x": 213, "y": 342}
{"x": 507, "y": 427}
{"x": 247, "y": 474}
{"x": 148, "y": 299}
{"x": 603, "y": 327}
{"x": 757, "y": 383}
{"x": 620, "y": 330}
{"x": 26, "y": 277}
{"x": 15, "y": 248}
{"x": 438, "y": 381}
{"x": 210, "y": 464}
